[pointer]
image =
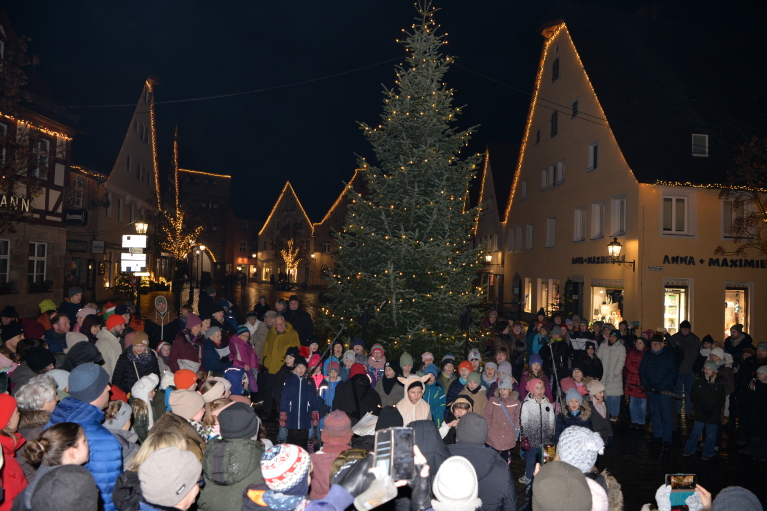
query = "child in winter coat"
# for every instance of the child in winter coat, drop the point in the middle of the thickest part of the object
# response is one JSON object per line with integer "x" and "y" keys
{"x": 600, "y": 417}
{"x": 447, "y": 373}
{"x": 489, "y": 375}
{"x": 412, "y": 406}
{"x": 464, "y": 370}
{"x": 476, "y": 391}
{"x": 327, "y": 391}
{"x": 502, "y": 416}
{"x": 708, "y": 398}
{"x": 14, "y": 480}
{"x": 756, "y": 399}
{"x": 591, "y": 365}
{"x": 389, "y": 387}
{"x": 576, "y": 372}
{"x": 537, "y": 418}
{"x": 376, "y": 363}
{"x": 535, "y": 371}
{"x": 460, "y": 407}
{"x": 142, "y": 394}
{"x": 434, "y": 394}
{"x": 575, "y": 413}
{"x": 243, "y": 355}
{"x": 299, "y": 411}
{"x": 346, "y": 364}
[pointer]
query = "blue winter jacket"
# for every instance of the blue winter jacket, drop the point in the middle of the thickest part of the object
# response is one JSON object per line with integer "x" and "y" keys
{"x": 211, "y": 360}
{"x": 659, "y": 370}
{"x": 299, "y": 400}
{"x": 105, "y": 462}
{"x": 434, "y": 394}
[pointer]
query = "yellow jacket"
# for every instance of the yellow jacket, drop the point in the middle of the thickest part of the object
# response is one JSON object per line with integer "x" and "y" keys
{"x": 276, "y": 345}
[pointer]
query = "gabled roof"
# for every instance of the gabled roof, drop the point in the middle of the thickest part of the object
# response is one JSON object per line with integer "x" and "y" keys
{"x": 503, "y": 160}
{"x": 658, "y": 83}
{"x": 288, "y": 188}
{"x": 350, "y": 185}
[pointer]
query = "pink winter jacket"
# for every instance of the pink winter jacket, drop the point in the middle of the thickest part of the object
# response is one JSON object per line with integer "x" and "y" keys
{"x": 501, "y": 435}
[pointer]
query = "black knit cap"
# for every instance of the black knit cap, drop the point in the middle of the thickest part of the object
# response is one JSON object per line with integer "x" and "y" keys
{"x": 238, "y": 421}
{"x": 11, "y": 330}
{"x": 389, "y": 417}
{"x": 39, "y": 358}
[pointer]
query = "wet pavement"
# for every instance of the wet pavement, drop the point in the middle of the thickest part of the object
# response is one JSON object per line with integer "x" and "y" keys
{"x": 639, "y": 467}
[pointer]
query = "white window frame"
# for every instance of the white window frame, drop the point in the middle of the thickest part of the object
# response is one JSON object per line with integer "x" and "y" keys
{"x": 593, "y": 156}
{"x": 727, "y": 217}
{"x": 518, "y": 235}
{"x": 529, "y": 237}
{"x": 551, "y": 231}
{"x": 326, "y": 247}
{"x": 523, "y": 189}
{"x": 698, "y": 149}
{"x": 5, "y": 255}
{"x": 32, "y": 277}
{"x": 243, "y": 245}
{"x": 559, "y": 173}
{"x": 618, "y": 227}
{"x": 579, "y": 224}
{"x": 598, "y": 214}
{"x": 691, "y": 222}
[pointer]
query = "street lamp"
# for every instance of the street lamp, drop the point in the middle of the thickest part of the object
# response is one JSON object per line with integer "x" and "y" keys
{"x": 141, "y": 227}
{"x": 489, "y": 258}
{"x": 614, "y": 251}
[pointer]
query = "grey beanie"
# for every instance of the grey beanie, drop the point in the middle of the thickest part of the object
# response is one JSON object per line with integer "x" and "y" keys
{"x": 75, "y": 291}
{"x": 121, "y": 418}
{"x": 167, "y": 475}
{"x": 471, "y": 428}
{"x": 349, "y": 355}
{"x": 736, "y": 497}
{"x": 579, "y": 447}
{"x": 212, "y": 330}
{"x": 87, "y": 382}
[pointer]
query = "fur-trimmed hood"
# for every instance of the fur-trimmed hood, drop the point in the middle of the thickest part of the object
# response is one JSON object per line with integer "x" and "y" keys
{"x": 611, "y": 486}
{"x": 33, "y": 418}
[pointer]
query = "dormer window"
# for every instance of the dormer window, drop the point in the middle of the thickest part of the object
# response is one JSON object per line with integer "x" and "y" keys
{"x": 699, "y": 145}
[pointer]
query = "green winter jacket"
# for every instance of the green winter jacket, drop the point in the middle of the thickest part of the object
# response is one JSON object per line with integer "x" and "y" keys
{"x": 708, "y": 398}
{"x": 229, "y": 466}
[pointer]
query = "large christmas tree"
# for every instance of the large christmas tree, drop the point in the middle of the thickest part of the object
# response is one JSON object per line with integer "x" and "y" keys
{"x": 406, "y": 247}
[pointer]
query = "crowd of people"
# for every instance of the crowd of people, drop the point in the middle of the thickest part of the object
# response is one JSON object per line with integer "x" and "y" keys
{"x": 101, "y": 410}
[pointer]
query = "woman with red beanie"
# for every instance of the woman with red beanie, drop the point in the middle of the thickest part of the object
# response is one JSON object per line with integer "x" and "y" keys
{"x": 14, "y": 480}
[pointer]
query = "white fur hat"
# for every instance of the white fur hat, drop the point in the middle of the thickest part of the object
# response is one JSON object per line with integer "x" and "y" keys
{"x": 455, "y": 486}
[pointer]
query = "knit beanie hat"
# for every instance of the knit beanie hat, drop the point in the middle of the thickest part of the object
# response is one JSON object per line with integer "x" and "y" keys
{"x": 762, "y": 346}
{"x": 114, "y": 320}
{"x": 121, "y": 417}
{"x": 472, "y": 428}
{"x": 579, "y": 447}
{"x": 167, "y": 475}
{"x": 711, "y": 365}
{"x": 64, "y": 488}
{"x": 506, "y": 384}
{"x": 184, "y": 379}
{"x": 215, "y": 392}
{"x": 449, "y": 356}
{"x": 389, "y": 417}
{"x": 242, "y": 329}
{"x": 405, "y": 359}
{"x": 293, "y": 352}
{"x": 75, "y": 291}
{"x": 475, "y": 377}
{"x": 142, "y": 388}
{"x": 719, "y": 352}
{"x": 10, "y": 331}
{"x": 7, "y": 407}
{"x": 192, "y": 320}
{"x": 685, "y": 324}
{"x": 505, "y": 368}
{"x": 376, "y": 346}
{"x": 186, "y": 403}
{"x": 762, "y": 370}
{"x": 474, "y": 355}
{"x": 531, "y": 384}
{"x": 566, "y": 384}
{"x": 333, "y": 366}
{"x": 356, "y": 369}
{"x": 427, "y": 355}
{"x": 285, "y": 469}
{"x": 559, "y": 486}
{"x": 395, "y": 366}
{"x": 455, "y": 486}
{"x": 300, "y": 361}
{"x": 736, "y": 497}
{"x": 337, "y": 425}
{"x": 47, "y": 305}
{"x": 314, "y": 360}
{"x": 212, "y": 330}
{"x": 87, "y": 382}
{"x": 595, "y": 387}
{"x": 38, "y": 358}
{"x": 166, "y": 380}
{"x": 573, "y": 394}
{"x": 349, "y": 355}
{"x": 465, "y": 365}
{"x": 358, "y": 341}
{"x": 238, "y": 421}
{"x": 431, "y": 369}
{"x": 85, "y": 311}
{"x": 536, "y": 359}
{"x": 34, "y": 330}
{"x": 707, "y": 339}
{"x": 140, "y": 339}
{"x": 491, "y": 364}
{"x": 60, "y": 376}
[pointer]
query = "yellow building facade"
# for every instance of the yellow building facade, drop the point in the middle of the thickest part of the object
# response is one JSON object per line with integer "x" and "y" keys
{"x": 578, "y": 188}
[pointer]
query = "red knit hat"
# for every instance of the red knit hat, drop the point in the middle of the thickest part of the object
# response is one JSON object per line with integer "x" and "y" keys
{"x": 114, "y": 320}
{"x": 304, "y": 351}
{"x": 337, "y": 425}
{"x": 32, "y": 329}
{"x": 465, "y": 364}
{"x": 7, "y": 406}
{"x": 184, "y": 379}
{"x": 356, "y": 369}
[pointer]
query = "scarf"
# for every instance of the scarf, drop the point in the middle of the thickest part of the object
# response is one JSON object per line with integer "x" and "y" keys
{"x": 463, "y": 382}
{"x": 376, "y": 364}
{"x": 601, "y": 408}
{"x": 143, "y": 359}
{"x": 199, "y": 428}
{"x": 282, "y": 502}
{"x": 388, "y": 384}
{"x": 479, "y": 387}
{"x": 705, "y": 353}
{"x": 194, "y": 340}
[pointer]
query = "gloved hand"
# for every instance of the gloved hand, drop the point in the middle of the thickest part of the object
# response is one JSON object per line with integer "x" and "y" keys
{"x": 224, "y": 360}
{"x": 693, "y": 502}
{"x": 663, "y": 497}
{"x": 315, "y": 419}
{"x": 283, "y": 419}
{"x": 358, "y": 478}
{"x": 420, "y": 493}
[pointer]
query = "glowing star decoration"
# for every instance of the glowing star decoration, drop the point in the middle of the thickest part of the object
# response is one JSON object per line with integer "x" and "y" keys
{"x": 290, "y": 256}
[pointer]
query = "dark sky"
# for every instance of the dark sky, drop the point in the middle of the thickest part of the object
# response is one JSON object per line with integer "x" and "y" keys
{"x": 99, "y": 53}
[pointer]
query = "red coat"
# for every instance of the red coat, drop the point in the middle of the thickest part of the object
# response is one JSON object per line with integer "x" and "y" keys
{"x": 633, "y": 383}
{"x": 14, "y": 480}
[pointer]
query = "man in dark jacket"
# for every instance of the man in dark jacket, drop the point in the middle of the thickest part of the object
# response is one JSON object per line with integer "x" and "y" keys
{"x": 658, "y": 372}
{"x": 162, "y": 325}
{"x": 687, "y": 345}
{"x": 56, "y": 337}
{"x": 205, "y": 301}
{"x": 88, "y": 397}
{"x": 355, "y": 396}
{"x": 72, "y": 304}
{"x": 496, "y": 487}
{"x": 300, "y": 319}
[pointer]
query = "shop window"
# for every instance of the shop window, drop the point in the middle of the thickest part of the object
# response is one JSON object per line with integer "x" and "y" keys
{"x": 736, "y": 308}
{"x": 243, "y": 245}
{"x": 37, "y": 261}
{"x": 593, "y": 156}
{"x": 523, "y": 189}
{"x": 733, "y": 214}
{"x": 528, "y": 297}
{"x": 554, "y": 123}
{"x": 559, "y": 176}
{"x": 699, "y": 145}
{"x": 597, "y": 220}
{"x": 529, "y": 237}
{"x": 518, "y": 241}
{"x": 607, "y": 305}
{"x": 575, "y": 108}
{"x": 675, "y": 306}
{"x": 551, "y": 231}
{"x": 510, "y": 243}
{"x": 579, "y": 224}
{"x": 5, "y": 259}
{"x": 555, "y": 70}
{"x": 675, "y": 215}
{"x": 618, "y": 216}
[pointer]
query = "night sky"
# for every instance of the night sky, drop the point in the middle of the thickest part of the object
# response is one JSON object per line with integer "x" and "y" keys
{"x": 99, "y": 53}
